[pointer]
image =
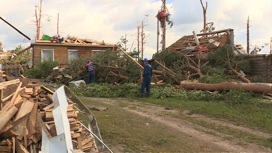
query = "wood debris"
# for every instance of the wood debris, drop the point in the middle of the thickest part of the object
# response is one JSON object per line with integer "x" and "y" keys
{"x": 29, "y": 110}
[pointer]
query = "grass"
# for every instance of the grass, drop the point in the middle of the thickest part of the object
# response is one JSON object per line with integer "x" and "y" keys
{"x": 140, "y": 134}
{"x": 235, "y": 133}
{"x": 254, "y": 113}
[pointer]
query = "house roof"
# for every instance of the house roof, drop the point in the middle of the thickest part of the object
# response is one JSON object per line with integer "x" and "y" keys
{"x": 71, "y": 45}
{"x": 188, "y": 41}
{"x": 73, "y": 42}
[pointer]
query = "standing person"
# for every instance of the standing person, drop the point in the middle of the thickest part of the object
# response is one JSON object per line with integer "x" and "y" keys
{"x": 147, "y": 75}
{"x": 91, "y": 71}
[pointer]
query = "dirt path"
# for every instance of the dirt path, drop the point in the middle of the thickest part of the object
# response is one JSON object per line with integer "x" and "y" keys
{"x": 167, "y": 117}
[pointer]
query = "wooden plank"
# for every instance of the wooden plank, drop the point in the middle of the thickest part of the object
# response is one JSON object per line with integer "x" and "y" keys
{"x": 6, "y": 116}
{"x": 5, "y": 149}
{"x": 3, "y": 85}
{"x": 86, "y": 140}
{"x": 9, "y": 142}
{"x": 48, "y": 107}
{"x": 25, "y": 136}
{"x": 9, "y": 134}
{"x": 29, "y": 90}
{"x": 42, "y": 125}
{"x": 32, "y": 120}
{"x": 25, "y": 109}
{"x": 19, "y": 147}
{"x": 8, "y": 97}
{"x": 20, "y": 128}
{"x": 75, "y": 135}
{"x": 10, "y": 124}
{"x": 13, "y": 144}
{"x": 79, "y": 143}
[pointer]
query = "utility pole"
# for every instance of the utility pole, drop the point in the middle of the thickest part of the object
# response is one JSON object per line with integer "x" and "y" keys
{"x": 125, "y": 42}
{"x": 248, "y": 35}
{"x": 271, "y": 45}
{"x": 142, "y": 39}
{"x": 158, "y": 34}
{"x": 138, "y": 41}
{"x": 164, "y": 27}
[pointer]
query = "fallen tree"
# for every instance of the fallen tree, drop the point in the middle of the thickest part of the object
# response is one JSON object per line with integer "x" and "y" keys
{"x": 263, "y": 88}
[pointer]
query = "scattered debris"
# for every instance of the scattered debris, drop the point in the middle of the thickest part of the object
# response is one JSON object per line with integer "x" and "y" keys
{"x": 28, "y": 120}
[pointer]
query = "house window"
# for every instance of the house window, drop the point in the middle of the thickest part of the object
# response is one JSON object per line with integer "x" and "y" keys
{"x": 97, "y": 51}
{"x": 72, "y": 55}
{"x": 47, "y": 54}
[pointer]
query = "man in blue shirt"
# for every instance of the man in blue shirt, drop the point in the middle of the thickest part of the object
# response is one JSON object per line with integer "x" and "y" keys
{"x": 147, "y": 75}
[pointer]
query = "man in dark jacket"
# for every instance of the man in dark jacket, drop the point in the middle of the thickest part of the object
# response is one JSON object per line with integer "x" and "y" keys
{"x": 147, "y": 75}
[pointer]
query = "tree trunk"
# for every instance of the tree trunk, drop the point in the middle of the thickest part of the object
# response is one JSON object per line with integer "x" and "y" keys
{"x": 253, "y": 87}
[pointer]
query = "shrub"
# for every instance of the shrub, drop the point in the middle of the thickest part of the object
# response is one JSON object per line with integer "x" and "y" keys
{"x": 237, "y": 97}
{"x": 44, "y": 69}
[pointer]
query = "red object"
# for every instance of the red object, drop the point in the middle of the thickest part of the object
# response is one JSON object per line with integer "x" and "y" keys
{"x": 162, "y": 14}
{"x": 202, "y": 49}
{"x": 89, "y": 63}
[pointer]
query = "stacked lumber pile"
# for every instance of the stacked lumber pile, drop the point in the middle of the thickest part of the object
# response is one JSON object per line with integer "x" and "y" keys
{"x": 28, "y": 111}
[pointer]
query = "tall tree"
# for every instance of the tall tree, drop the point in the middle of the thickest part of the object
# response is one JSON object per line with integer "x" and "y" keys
{"x": 204, "y": 8}
{"x": 38, "y": 20}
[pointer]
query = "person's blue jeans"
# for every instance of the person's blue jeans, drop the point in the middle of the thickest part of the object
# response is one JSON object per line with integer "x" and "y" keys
{"x": 146, "y": 85}
{"x": 91, "y": 76}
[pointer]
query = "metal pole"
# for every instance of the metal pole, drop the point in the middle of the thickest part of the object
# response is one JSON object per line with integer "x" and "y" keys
{"x": 248, "y": 35}
{"x": 15, "y": 28}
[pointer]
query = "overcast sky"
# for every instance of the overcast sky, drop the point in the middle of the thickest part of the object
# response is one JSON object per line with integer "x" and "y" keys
{"x": 108, "y": 20}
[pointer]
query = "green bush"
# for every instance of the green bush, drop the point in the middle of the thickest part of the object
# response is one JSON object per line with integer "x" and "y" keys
{"x": 131, "y": 90}
{"x": 44, "y": 69}
{"x": 215, "y": 75}
{"x": 237, "y": 97}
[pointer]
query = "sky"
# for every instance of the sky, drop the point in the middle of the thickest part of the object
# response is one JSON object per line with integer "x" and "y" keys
{"x": 109, "y": 20}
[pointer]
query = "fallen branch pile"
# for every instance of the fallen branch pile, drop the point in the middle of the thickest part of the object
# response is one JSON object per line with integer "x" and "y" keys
{"x": 27, "y": 112}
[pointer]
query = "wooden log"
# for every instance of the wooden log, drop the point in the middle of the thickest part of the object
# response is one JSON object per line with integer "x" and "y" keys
{"x": 139, "y": 65}
{"x": 6, "y": 116}
{"x": 167, "y": 69}
{"x": 253, "y": 87}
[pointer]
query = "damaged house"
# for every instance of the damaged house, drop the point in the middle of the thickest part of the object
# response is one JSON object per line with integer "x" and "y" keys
{"x": 67, "y": 50}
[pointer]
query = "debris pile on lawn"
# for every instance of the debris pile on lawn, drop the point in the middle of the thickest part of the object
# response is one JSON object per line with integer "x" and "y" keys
{"x": 28, "y": 116}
